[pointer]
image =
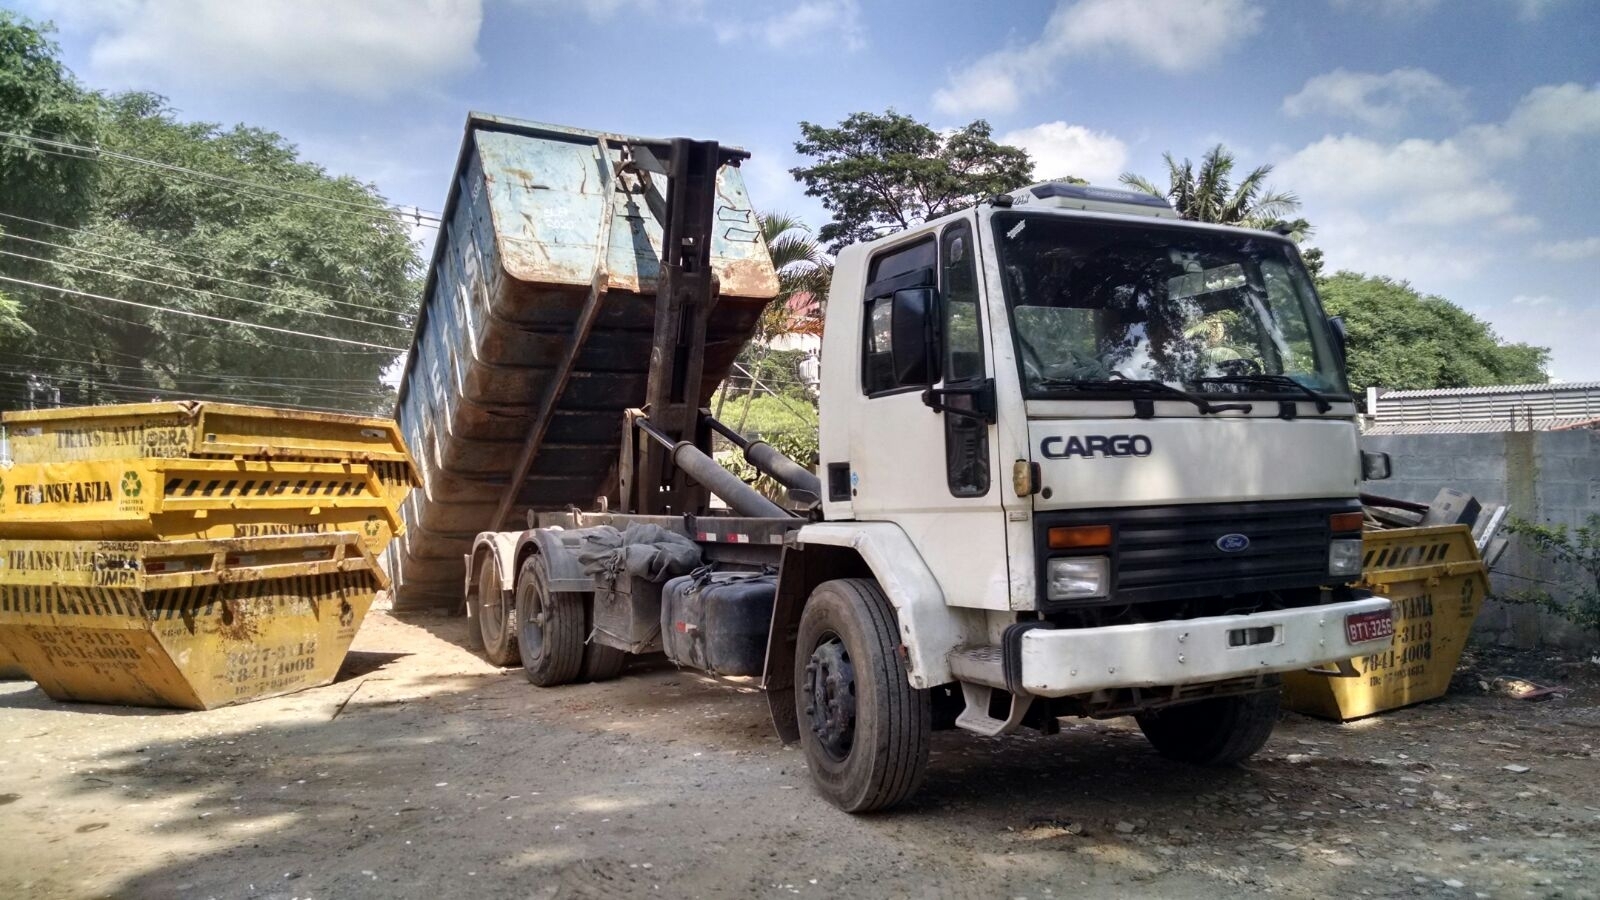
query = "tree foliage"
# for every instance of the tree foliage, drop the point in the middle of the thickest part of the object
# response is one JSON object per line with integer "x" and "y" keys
{"x": 230, "y": 224}
{"x": 1576, "y": 553}
{"x": 1401, "y": 339}
{"x": 38, "y": 96}
{"x": 879, "y": 173}
{"x": 803, "y": 269}
{"x": 1208, "y": 194}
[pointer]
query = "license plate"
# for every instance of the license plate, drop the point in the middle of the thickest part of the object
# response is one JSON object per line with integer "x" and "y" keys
{"x": 1368, "y": 626}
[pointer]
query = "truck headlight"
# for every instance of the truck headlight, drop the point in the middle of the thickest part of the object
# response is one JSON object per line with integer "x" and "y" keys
{"x": 1077, "y": 578}
{"x": 1344, "y": 557}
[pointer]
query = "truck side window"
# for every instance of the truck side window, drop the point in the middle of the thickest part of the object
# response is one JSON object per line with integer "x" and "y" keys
{"x": 966, "y": 439}
{"x": 903, "y": 267}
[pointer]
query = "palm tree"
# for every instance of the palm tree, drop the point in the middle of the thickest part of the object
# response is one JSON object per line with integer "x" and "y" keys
{"x": 804, "y": 271}
{"x": 1207, "y": 195}
{"x": 802, "y": 266}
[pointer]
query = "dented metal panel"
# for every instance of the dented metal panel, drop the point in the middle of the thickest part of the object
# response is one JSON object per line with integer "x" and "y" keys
{"x": 537, "y": 218}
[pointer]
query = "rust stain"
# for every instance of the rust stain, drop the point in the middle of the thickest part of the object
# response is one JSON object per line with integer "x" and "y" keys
{"x": 752, "y": 278}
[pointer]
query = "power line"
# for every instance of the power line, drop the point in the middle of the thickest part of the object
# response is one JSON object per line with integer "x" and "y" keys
{"x": 128, "y": 239}
{"x": 184, "y": 312}
{"x": 311, "y": 383}
{"x": 205, "y": 338}
{"x": 190, "y": 272}
{"x": 202, "y": 291}
{"x": 331, "y": 203}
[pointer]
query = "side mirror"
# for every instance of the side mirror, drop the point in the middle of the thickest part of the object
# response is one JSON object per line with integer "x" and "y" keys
{"x": 911, "y": 336}
{"x": 1341, "y": 338}
{"x": 1376, "y": 466}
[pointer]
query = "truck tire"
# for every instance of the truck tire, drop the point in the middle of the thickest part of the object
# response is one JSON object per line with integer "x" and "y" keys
{"x": 601, "y": 663}
{"x": 864, "y": 729}
{"x": 1222, "y": 731}
{"x": 551, "y": 627}
{"x": 497, "y": 622}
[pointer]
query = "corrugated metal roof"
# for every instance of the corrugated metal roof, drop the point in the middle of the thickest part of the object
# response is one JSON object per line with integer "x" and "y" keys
{"x": 1509, "y": 407}
{"x": 1546, "y": 424}
{"x": 1551, "y": 387}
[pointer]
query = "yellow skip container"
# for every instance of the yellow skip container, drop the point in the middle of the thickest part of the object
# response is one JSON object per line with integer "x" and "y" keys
{"x": 179, "y": 499}
{"x": 192, "y": 624}
{"x": 1437, "y": 582}
{"x": 202, "y": 430}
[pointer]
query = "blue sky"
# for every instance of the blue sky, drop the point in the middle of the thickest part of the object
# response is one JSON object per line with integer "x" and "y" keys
{"x": 1447, "y": 142}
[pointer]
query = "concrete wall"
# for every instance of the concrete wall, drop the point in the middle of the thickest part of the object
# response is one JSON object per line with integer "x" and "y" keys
{"x": 1551, "y": 477}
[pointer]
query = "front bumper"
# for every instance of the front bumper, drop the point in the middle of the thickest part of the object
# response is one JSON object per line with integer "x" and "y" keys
{"x": 1067, "y": 661}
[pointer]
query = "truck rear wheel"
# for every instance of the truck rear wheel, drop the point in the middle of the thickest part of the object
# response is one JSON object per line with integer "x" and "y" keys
{"x": 864, "y": 729}
{"x": 496, "y": 617}
{"x": 601, "y": 663}
{"x": 1221, "y": 731}
{"x": 551, "y": 627}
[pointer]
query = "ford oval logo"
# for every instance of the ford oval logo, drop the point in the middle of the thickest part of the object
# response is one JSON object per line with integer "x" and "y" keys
{"x": 1232, "y": 543}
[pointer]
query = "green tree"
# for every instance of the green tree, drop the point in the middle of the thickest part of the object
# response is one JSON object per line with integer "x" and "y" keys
{"x": 39, "y": 97}
{"x": 1401, "y": 339}
{"x": 882, "y": 173}
{"x": 1208, "y": 194}
{"x": 229, "y": 224}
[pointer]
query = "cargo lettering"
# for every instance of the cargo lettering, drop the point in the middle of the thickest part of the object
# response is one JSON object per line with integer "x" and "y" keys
{"x": 1413, "y": 644}
{"x": 69, "y": 560}
{"x": 74, "y": 492}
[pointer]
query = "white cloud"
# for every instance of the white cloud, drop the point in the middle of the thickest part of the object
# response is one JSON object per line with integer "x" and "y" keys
{"x": 1172, "y": 35}
{"x": 1419, "y": 181}
{"x": 368, "y": 48}
{"x": 804, "y": 23}
{"x": 1059, "y": 149}
{"x": 1533, "y": 299}
{"x": 1384, "y": 101}
{"x": 1569, "y": 251}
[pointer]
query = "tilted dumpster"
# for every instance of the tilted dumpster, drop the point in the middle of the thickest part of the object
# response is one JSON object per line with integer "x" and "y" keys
{"x": 188, "y": 624}
{"x": 1437, "y": 582}
{"x": 536, "y": 328}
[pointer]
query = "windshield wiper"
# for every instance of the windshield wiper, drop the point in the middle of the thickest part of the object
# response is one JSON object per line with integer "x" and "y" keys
{"x": 1145, "y": 386}
{"x": 1264, "y": 380}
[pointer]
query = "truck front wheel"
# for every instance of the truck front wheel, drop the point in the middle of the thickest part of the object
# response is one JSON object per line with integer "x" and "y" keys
{"x": 1221, "y": 731}
{"x": 864, "y": 729}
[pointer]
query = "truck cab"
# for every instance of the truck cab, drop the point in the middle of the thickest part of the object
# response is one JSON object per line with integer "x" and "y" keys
{"x": 1111, "y": 457}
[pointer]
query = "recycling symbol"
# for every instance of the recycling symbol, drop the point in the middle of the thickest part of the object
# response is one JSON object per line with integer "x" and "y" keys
{"x": 372, "y": 526}
{"x": 131, "y": 486}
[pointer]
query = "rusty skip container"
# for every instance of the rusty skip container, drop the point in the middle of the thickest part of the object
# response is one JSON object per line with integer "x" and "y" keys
{"x": 205, "y": 430}
{"x": 1437, "y": 582}
{"x": 186, "y": 498}
{"x": 536, "y": 329}
{"x": 187, "y": 624}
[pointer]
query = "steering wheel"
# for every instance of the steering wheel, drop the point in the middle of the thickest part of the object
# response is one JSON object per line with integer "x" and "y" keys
{"x": 1240, "y": 366}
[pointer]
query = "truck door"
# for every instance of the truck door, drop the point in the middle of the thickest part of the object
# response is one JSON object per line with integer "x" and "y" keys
{"x": 931, "y": 471}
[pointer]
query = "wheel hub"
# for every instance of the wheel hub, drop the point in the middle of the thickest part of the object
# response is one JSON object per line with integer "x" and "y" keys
{"x": 830, "y": 694}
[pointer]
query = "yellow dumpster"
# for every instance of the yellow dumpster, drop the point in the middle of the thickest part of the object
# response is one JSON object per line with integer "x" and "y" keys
{"x": 176, "y": 499}
{"x": 191, "y": 624}
{"x": 10, "y": 668}
{"x": 190, "y": 429}
{"x": 1437, "y": 582}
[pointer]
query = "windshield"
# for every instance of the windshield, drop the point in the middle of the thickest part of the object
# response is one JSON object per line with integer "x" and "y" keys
{"x": 1208, "y": 312}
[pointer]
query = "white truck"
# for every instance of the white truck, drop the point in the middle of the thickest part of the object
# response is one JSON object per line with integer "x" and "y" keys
{"x": 1078, "y": 457}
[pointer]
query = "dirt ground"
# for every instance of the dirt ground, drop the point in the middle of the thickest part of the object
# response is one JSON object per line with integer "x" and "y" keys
{"x": 426, "y": 772}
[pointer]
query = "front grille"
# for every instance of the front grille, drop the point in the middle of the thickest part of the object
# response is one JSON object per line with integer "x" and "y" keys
{"x": 1171, "y": 552}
